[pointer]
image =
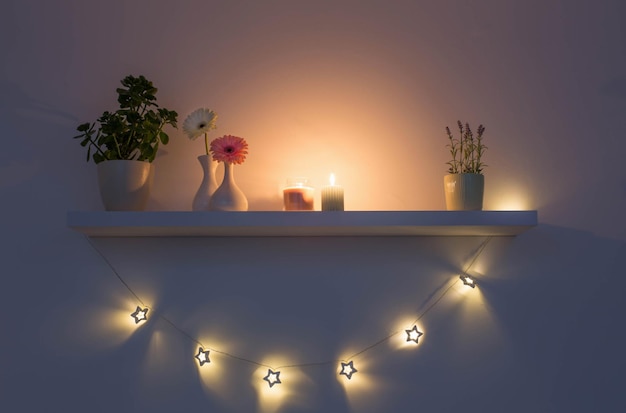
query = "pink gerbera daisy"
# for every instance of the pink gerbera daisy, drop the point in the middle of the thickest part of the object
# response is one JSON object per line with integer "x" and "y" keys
{"x": 230, "y": 149}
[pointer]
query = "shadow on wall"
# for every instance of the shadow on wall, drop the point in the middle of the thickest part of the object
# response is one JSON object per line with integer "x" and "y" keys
{"x": 598, "y": 205}
{"x": 19, "y": 164}
{"x": 558, "y": 299}
{"x": 42, "y": 164}
{"x": 35, "y": 149}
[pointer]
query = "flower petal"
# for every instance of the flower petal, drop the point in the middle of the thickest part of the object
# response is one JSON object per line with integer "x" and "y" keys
{"x": 230, "y": 149}
{"x": 199, "y": 122}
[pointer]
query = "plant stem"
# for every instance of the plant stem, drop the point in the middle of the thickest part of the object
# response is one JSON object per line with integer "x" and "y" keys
{"x": 117, "y": 145}
{"x": 473, "y": 165}
{"x": 206, "y": 143}
{"x": 133, "y": 126}
{"x": 462, "y": 157}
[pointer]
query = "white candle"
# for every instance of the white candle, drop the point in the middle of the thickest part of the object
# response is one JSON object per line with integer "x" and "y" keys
{"x": 332, "y": 196}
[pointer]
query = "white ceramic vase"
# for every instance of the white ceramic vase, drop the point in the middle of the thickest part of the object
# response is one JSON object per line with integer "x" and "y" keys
{"x": 228, "y": 197}
{"x": 464, "y": 192}
{"x": 208, "y": 185}
{"x": 124, "y": 185}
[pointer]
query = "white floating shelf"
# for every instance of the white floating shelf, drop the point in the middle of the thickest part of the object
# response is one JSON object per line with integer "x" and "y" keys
{"x": 300, "y": 224}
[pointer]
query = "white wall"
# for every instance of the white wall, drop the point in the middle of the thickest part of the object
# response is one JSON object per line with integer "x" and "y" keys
{"x": 360, "y": 88}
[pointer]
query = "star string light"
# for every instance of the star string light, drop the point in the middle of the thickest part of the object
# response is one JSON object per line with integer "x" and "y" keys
{"x": 272, "y": 378}
{"x": 203, "y": 356}
{"x": 413, "y": 334}
{"x": 140, "y": 314}
{"x": 347, "y": 369}
{"x": 468, "y": 280}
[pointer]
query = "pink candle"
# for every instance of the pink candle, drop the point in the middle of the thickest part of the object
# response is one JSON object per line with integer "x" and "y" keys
{"x": 298, "y": 195}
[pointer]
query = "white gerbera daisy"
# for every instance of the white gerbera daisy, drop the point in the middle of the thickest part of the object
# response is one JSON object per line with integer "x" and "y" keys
{"x": 199, "y": 122}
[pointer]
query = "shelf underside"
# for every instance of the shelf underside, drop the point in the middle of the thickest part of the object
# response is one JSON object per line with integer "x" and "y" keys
{"x": 293, "y": 224}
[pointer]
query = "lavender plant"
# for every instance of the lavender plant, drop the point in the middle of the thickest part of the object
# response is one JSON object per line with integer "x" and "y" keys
{"x": 467, "y": 151}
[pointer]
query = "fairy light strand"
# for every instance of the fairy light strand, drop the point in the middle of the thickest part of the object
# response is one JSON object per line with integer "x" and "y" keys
{"x": 119, "y": 277}
{"x": 433, "y": 304}
{"x": 167, "y": 320}
{"x": 183, "y": 332}
{"x": 467, "y": 268}
{"x": 477, "y": 254}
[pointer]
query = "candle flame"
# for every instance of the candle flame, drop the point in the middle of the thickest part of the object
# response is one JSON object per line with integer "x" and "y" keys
{"x": 332, "y": 179}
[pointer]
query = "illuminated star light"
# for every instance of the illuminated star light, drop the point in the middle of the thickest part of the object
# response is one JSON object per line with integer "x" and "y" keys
{"x": 203, "y": 356}
{"x": 140, "y": 314}
{"x": 468, "y": 280}
{"x": 347, "y": 369}
{"x": 273, "y": 377}
{"x": 413, "y": 334}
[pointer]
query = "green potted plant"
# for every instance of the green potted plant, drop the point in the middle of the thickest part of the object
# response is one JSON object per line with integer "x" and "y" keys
{"x": 464, "y": 185}
{"x": 124, "y": 143}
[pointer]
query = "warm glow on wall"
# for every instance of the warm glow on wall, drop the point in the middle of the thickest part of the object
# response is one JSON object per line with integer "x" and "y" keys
{"x": 272, "y": 396}
{"x": 511, "y": 199}
{"x": 361, "y": 389}
{"x": 216, "y": 377}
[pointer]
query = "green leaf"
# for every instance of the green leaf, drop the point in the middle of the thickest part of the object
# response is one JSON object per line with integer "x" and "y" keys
{"x": 83, "y": 127}
{"x": 164, "y": 138}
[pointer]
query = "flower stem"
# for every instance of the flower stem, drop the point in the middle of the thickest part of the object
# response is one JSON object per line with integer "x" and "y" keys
{"x": 206, "y": 143}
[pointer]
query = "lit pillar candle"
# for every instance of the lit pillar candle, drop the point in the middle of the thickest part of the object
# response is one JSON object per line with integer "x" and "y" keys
{"x": 298, "y": 195}
{"x": 332, "y": 196}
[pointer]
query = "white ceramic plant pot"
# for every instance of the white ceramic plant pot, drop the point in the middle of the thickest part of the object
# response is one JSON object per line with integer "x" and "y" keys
{"x": 464, "y": 192}
{"x": 124, "y": 185}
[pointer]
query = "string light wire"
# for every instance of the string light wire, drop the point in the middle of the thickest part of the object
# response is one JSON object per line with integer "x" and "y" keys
{"x": 167, "y": 320}
{"x": 299, "y": 365}
{"x": 454, "y": 282}
{"x": 119, "y": 277}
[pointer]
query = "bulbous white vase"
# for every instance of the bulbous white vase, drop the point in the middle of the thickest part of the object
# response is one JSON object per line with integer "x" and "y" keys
{"x": 228, "y": 197}
{"x": 124, "y": 185}
{"x": 208, "y": 186}
{"x": 464, "y": 192}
